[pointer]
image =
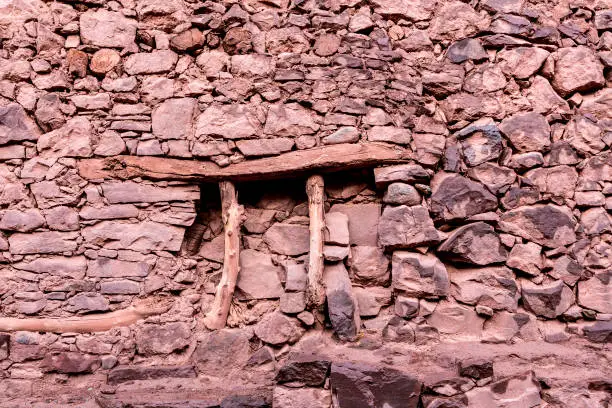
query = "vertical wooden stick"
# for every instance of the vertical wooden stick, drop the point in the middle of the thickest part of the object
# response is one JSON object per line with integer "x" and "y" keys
{"x": 315, "y": 188}
{"x": 232, "y": 214}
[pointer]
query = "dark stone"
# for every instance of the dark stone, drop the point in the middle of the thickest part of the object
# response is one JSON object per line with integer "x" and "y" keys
{"x": 4, "y": 345}
{"x": 70, "y": 363}
{"x": 548, "y": 225}
{"x": 341, "y": 303}
{"x": 457, "y": 197}
{"x": 244, "y": 401}
{"x": 304, "y": 369}
{"x": 476, "y": 369}
{"x": 600, "y": 332}
{"x": 361, "y": 386}
{"x": 476, "y": 243}
{"x": 466, "y": 49}
{"x": 124, "y": 374}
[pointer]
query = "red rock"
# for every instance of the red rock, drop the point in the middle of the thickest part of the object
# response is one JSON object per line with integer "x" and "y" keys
{"x": 547, "y": 300}
{"x": 104, "y": 28}
{"x": 342, "y": 304}
{"x": 494, "y": 287}
{"x": 277, "y": 329}
{"x": 137, "y": 373}
{"x": 577, "y": 69}
{"x": 527, "y": 131}
{"x": 104, "y": 60}
{"x": 326, "y": 45}
{"x": 475, "y": 243}
{"x": 358, "y": 385}
{"x": 188, "y": 40}
{"x": 363, "y": 222}
{"x": 162, "y": 339}
{"x": 419, "y": 275}
{"x": 70, "y": 363}
{"x": 522, "y": 62}
{"x": 15, "y": 125}
{"x": 77, "y": 62}
{"x": 288, "y": 239}
{"x": 548, "y": 225}
{"x": 454, "y": 197}
{"x": 259, "y": 278}
{"x": 407, "y": 227}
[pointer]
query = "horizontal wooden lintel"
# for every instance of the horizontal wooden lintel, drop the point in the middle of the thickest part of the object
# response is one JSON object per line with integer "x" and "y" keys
{"x": 321, "y": 159}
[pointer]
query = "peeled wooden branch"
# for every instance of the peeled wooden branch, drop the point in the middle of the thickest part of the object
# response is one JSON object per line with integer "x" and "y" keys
{"x": 315, "y": 189}
{"x": 325, "y": 158}
{"x": 232, "y": 214}
{"x": 90, "y": 323}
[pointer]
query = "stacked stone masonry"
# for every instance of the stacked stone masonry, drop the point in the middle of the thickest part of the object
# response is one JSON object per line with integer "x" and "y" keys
{"x": 476, "y": 273}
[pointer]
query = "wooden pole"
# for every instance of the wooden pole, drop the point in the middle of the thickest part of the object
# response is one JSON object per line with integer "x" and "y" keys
{"x": 232, "y": 214}
{"x": 315, "y": 189}
{"x": 141, "y": 309}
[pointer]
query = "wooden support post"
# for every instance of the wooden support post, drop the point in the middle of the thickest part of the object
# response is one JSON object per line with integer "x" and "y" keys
{"x": 315, "y": 190}
{"x": 141, "y": 309}
{"x": 232, "y": 214}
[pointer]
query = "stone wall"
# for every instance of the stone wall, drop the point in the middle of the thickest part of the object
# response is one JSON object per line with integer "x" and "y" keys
{"x": 476, "y": 274}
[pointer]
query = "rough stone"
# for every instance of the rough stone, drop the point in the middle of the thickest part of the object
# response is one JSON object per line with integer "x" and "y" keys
{"x": 21, "y": 221}
{"x": 401, "y": 193}
{"x": 419, "y": 275}
{"x": 454, "y": 197}
{"x": 155, "y": 62}
{"x": 466, "y": 49}
{"x": 494, "y": 287}
{"x": 288, "y": 239}
{"x": 221, "y": 351}
{"x": 42, "y": 242}
{"x": 545, "y": 224}
{"x": 369, "y": 265}
{"x": 104, "y": 60}
{"x": 283, "y": 397}
{"x": 341, "y": 302}
{"x": 526, "y": 258}
{"x": 522, "y": 62}
{"x": 406, "y": 173}
{"x": 121, "y": 375}
{"x": 527, "y": 131}
{"x": 265, "y": 147}
{"x": 277, "y": 329}
{"x": 290, "y": 120}
{"x": 480, "y": 142}
{"x": 547, "y": 300}
{"x": 337, "y": 229}
{"x": 173, "y": 118}
{"x": 162, "y": 339}
{"x": 69, "y": 363}
{"x": 363, "y": 222}
{"x": 230, "y": 121}
{"x": 568, "y": 78}
{"x": 104, "y": 28}
{"x": 131, "y": 192}
{"x": 145, "y": 236}
{"x": 16, "y": 125}
{"x": 475, "y": 243}
{"x": 356, "y": 385}
{"x": 65, "y": 267}
{"x": 259, "y": 278}
{"x": 407, "y": 227}
{"x": 71, "y": 140}
{"x": 594, "y": 293}
{"x": 520, "y": 390}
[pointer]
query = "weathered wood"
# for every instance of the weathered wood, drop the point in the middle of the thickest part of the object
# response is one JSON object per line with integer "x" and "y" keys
{"x": 326, "y": 158}
{"x": 141, "y": 309}
{"x": 233, "y": 214}
{"x": 315, "y": 189}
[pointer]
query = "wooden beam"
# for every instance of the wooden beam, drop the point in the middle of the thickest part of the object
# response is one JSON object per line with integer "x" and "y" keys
{"x": 141, "y": 309}
{"x": 315, "y": 295}
{"x": 325, "y": 158}
{"x": 232, "y": 214}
